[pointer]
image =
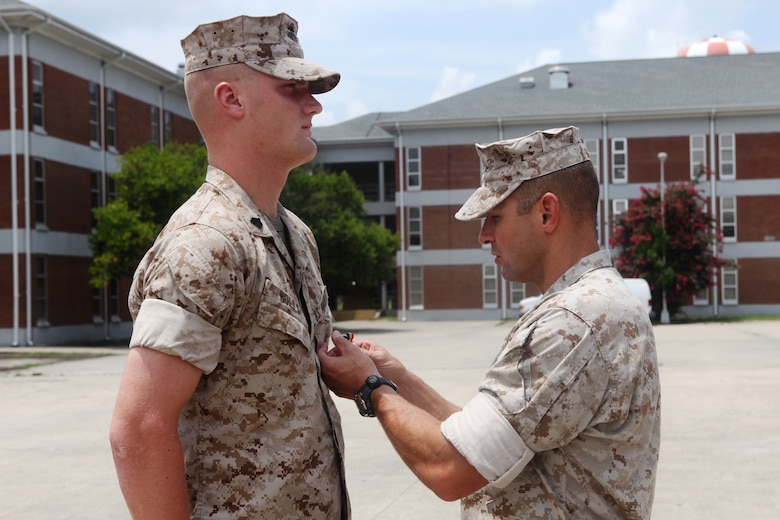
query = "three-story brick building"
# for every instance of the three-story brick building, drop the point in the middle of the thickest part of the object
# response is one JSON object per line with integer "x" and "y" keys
{"x": 70, "y": 105}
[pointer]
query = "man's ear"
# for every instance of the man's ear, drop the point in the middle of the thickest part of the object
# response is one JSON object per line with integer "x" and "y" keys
{"x": 228, "y": 99}
{"x": 550, "y": 208}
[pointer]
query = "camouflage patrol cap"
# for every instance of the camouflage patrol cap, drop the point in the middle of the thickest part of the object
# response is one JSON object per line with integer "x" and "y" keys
{"x": 268, "y": 44}
{"x": 510, "y": 162}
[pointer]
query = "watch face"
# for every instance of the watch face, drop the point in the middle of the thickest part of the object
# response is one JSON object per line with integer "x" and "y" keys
{"x": 372, "y": 381}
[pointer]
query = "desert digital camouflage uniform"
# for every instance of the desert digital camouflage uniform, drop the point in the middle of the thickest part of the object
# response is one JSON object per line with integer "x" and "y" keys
{"x": 261, "y": 435}
{"x": 578, "y": 380}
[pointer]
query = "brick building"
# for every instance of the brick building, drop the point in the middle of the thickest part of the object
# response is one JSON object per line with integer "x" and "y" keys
{"x": 722, "y": 111}
{"x": 70, "y": 105}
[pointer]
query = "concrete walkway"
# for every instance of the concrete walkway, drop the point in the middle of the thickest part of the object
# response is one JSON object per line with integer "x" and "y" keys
{"x": 720, "y": 454}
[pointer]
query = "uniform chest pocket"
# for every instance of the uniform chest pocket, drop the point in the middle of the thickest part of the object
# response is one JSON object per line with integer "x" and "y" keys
{"x": 279, "y": 309}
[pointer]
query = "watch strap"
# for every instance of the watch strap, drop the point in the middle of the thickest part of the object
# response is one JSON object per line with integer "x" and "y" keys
{"x": 363, "y": 396}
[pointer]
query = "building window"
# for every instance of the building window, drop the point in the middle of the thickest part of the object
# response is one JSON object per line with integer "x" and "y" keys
{"x": 111, "y": 119}
{"x": 415, "y": 287}
{"x": 95, "y": 194}
{"x": 702, "y": 297}
{"x": 516, "y": 293}
{"x": 111, "y": 183}
{"x": 415, "y": 227}
{"x": 40, "y": 192}
{"x": 619, "y": 206}
{"x": 41, "y": 292}
{"x": 389, "y": 184}
{"x": 413, "y": 170}
{"x": 595, "y": 156}
{"x": 728, "y": 167}
{"x": 113, "y": 300}
{"x": 730, "y": 292}
{"x": 598, "y": 223}
{"x": 619, "y": 161}
{"x": 37, "y": 95}
{"x": 97, "y": 305}
{"x": 728, "y": 218}
{"x": 155, "y": 117}
{"x": 698, "y": 155}
{"x": 94, "y": 114}
{"x": 489, "y": 286}
{"x": 168, "y": 117}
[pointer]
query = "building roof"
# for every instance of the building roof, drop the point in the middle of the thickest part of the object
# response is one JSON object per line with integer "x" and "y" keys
{"x": 14, "y": 13}
{"x": 629, "y": 89}
{"x": 364, "y": 128}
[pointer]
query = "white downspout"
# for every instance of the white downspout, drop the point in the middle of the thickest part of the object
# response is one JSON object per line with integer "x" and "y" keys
{"x": 713, "y": 213}
{"x": 161, "y": 118}
{"x": 14, "y": 180}
{"x": 27, "y": 226}
{"x": 605, "y": 172}
{"x": 104, "y": 187}
{"x": 402, "y": 219}
{"x": 505, "y": 284}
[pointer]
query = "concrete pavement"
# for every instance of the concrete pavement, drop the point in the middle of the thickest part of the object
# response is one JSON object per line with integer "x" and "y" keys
{"x": 720, "y": 455}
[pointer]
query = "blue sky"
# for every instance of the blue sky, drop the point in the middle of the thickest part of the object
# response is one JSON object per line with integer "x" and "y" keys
{"x": 401, "y": 54}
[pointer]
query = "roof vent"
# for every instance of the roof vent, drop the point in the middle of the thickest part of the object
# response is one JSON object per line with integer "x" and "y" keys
{"x": 559, "y": 77}
{"x": 526, "y": 82}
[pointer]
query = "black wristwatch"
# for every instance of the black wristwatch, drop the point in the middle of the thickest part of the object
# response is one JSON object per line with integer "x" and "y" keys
{"x": 363, "y": 397}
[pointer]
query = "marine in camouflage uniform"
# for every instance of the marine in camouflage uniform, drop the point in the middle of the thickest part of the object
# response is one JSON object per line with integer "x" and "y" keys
{"x": 566, "y": 422}
{"x": 219, "y": 288}
{"x": 578, "y": 381}
{"x": 229, "y": 305}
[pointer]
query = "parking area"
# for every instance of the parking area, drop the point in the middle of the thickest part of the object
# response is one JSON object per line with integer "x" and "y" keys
{"x": 720, "y": 450}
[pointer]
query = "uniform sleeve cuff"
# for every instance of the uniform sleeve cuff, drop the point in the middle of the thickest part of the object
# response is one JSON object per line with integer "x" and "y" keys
{"x": 499, "y": 455}
{"x": 172, "y": 330}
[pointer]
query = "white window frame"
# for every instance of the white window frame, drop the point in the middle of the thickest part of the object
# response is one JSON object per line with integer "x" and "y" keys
{"x": 594, "y": 151}
{"x": 727, "y": 157}
{"x": 38, "y": 112}
{"x": 619, "y": 149}
{"x": 97, "y": 305}
{"x": 516, "y": 293}
{"x": 698, "y": 154}
{"x": 413, "y": 168}
{"x": 415, "y": 227}
{"x": 39, "y": 178}
{"x": 416, "y": 292}
{"x": 619, "y": 206}
{"x": 702, "y": 297}
{"x": 42, "y": 291}
{"x": 490, "y": 286}
{"x": 729, "y": 286}
{"x": 154, "y": 114}
{"x": 111, "y": 137}
{"x": 94, "y": 114}
{"x": 113, "y": 300}
{"x": 168, "y": 125}
{"x": 728, "y": 217}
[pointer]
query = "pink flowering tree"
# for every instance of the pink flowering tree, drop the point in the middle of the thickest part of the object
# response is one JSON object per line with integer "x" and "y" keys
{"x": 673, "y": 251}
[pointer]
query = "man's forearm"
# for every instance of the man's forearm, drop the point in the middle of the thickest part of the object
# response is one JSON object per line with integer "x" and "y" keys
{"x": 417, "y": 392}
{"x": 152, "y": 479}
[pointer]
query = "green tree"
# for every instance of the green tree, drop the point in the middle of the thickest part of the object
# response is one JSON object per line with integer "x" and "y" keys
{"x": 151, "y": 184}
{"x": 673, "y": 251}
{"x": 354, "y": 252}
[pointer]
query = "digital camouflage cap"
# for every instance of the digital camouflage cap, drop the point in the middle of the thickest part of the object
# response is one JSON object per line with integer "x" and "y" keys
{"x": 511, "y": 162}
{"x": 268, "y": 44}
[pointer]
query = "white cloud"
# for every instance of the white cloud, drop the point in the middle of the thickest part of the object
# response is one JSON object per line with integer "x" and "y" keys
{"x": 356, "y": 108}
{"x": 451, "y": 82}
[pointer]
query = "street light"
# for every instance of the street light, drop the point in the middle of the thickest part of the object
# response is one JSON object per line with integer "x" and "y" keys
{"x": 664, "y": 311}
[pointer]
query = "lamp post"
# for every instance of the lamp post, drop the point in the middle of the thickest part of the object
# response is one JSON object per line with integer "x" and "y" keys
{"x": 664, "y": 311}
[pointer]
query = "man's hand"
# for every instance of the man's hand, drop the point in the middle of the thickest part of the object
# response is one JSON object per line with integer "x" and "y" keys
{"x": 345, "y": 367}
{"x": 388, "y": 365}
